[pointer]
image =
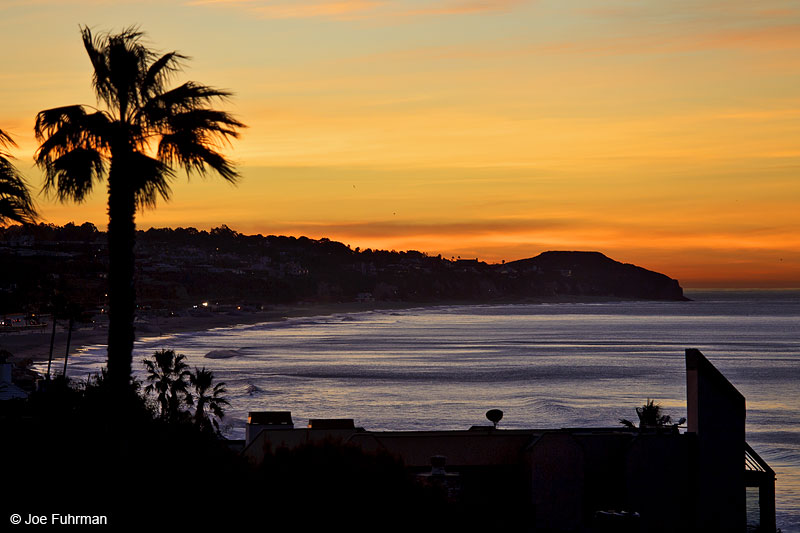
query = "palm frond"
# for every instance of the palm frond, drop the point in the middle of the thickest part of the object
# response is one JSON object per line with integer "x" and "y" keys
{"x": 73, "y": 174}
{"x": 16, "y": 203}
{"x": 180, "y": 366}
{"x": 11, "y": 183}
{"x": 202, "y": 382}
{"x": 159, "y": 72}
{"x": 149, "y": 179}
{"x": 650, "y": 416}
{"x": 216, "y": 410}
{"x": 167, "y": 373}
{"x": 210, "y": 122}
{"x": 67, "y": 119}
{"x": 101, "y": 79}
{"x": 189, "y": 95}
{"x": 62, "y": 129}
{"x": 119, "y": 61}
{"x": 11, "y": 210}
{"x": 6, "y": 140}
{"x": 127, "y": 59}
{"x": 191, "y": 151}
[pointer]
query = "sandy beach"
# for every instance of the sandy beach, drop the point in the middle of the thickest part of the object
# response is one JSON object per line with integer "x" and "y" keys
{"x": 35, "y": 344}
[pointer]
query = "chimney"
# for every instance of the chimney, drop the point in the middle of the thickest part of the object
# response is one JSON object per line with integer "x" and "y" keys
{"x": 258, "y": 421}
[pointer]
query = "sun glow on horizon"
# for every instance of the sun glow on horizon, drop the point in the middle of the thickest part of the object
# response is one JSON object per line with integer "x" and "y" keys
{"x": 662, "y": 135}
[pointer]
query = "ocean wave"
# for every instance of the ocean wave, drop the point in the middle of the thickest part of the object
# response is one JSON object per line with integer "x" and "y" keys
{"x": 223, "y": 354}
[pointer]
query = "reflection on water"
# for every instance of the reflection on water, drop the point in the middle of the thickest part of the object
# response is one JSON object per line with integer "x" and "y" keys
{"x": 557, "y": 365}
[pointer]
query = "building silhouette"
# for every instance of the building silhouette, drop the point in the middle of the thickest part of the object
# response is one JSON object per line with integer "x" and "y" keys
{"x": 646, "y": 479}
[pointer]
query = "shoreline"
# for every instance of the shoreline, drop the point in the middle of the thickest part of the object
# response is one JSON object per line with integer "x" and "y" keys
{"x": 35, "y": 345}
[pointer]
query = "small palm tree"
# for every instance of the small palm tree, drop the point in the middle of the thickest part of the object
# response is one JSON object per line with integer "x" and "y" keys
{"x": 167, "y": 374}
{"x": 16, "y": 204}
{"x": 208, "y": 400}
{"x": 650, "y": 416}
{"x": 144, "y": 131}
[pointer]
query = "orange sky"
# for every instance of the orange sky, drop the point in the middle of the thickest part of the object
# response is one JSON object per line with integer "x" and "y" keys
{"x": 662, "y": 134}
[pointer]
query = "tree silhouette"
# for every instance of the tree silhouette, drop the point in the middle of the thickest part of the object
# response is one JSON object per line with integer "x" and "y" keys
{"x": 16, "y": 204}
{"x": 144, "y": 131}
{"x": 208, "y": 400}
{"x": 650, "y": 416}
{"x": 167, "y": 374}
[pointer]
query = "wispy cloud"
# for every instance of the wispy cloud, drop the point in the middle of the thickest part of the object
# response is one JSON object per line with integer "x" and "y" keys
{"x": 344, "y": 9}
{"x": 12, "y": 4}
{"x": 360, "y": 9}
{"x": 776, "y": 37}
{"x": 464, "y": 8}
{"x": 407, "y": 229}
{"x": 768, "y": 37}
{"x": 764, "y": 38}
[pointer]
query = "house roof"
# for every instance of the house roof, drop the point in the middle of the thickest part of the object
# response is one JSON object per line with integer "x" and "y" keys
{"x": 462, "y": 448}
{"x": 9, "y": 391}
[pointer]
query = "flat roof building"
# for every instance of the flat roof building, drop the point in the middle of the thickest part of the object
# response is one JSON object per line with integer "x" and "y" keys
{"x": 647, "y": 479}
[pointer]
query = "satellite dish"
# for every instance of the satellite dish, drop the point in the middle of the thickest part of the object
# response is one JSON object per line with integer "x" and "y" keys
{"x": 494, "y": 416}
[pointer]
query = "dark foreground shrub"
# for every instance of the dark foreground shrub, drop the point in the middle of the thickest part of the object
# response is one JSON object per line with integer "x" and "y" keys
{"x": 80, "y": 451}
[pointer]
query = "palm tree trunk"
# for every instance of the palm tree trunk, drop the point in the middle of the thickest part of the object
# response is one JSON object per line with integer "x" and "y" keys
{"x": 199, "y": 412}
{"x": 121, "y": 289}
{"x": 69, "y": 339}
{"x": 52, "y": 342}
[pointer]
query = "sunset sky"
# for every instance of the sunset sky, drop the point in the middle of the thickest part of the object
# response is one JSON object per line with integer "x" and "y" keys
{"x": 665, "y": 134}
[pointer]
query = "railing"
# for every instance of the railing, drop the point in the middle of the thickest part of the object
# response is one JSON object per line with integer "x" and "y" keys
{"x": 754, "y": 463}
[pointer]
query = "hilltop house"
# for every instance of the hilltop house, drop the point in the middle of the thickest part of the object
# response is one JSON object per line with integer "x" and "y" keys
{"x": 581, "y": 479}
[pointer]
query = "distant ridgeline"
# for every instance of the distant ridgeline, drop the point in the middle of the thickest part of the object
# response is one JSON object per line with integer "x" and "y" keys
{"x": 184, "y": 266}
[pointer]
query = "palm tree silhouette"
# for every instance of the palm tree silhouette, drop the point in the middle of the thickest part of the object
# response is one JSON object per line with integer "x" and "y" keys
{"x": 142, "y": 133}
{"x": 650, "y": 416}
{"x": 168, "y": 373}
{"x": 207, "y": 399}
{"x": 16, "y": 204}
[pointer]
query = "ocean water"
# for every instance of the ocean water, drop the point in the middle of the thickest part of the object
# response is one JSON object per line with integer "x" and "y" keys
{"x": 544, "y": 365}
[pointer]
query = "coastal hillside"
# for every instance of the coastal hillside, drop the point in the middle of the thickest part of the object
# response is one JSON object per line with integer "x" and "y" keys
{"x": 186, "y": 267}
{"x": 592, "y": 273}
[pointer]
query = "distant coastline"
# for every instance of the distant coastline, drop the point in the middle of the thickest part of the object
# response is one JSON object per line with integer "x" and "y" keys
{"x": 190, "y": 280}
{"x": 183, "y": 268}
